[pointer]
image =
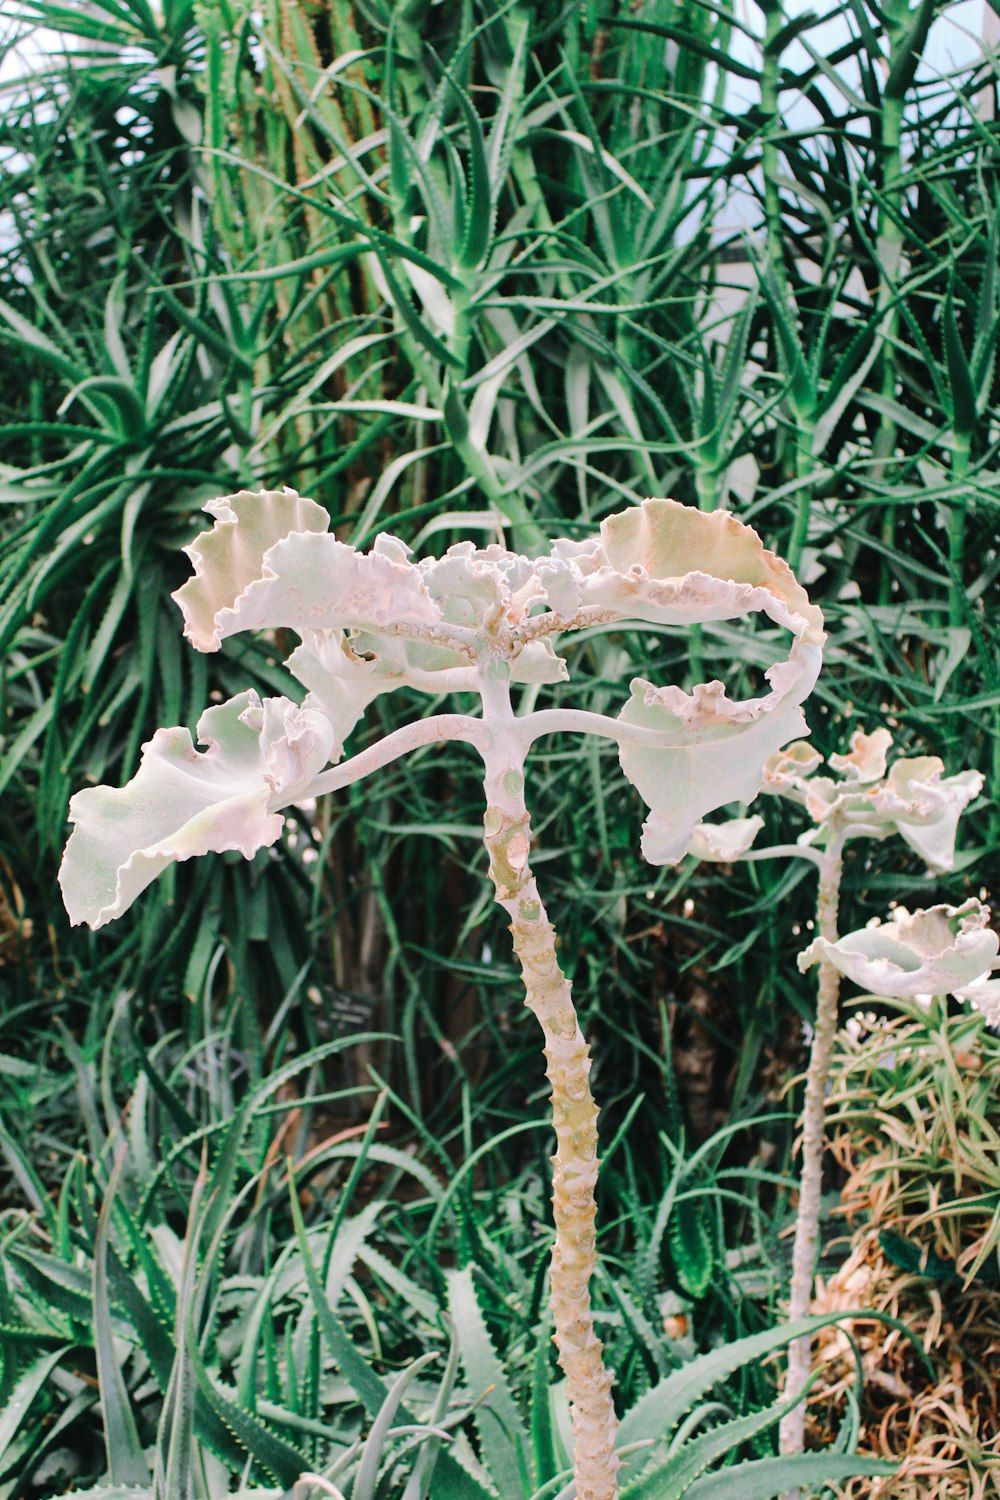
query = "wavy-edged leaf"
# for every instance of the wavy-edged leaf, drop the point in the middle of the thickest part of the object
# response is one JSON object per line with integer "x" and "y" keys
{"x": 934, "y": 951}
{"x": 182, "y": 803}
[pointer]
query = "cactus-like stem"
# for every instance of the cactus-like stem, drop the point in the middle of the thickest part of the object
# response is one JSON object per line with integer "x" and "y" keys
{"x": 792, "y": 1430}
{"x": 567, "y": 1056}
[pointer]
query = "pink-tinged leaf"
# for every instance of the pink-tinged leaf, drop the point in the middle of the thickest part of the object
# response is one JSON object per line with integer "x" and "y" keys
{"x": 925, "y": 806}
{"x": 865, "y": 762}
{"x": 311, "y": 582}
{"x": 228, "y": 558}
{"x": 668, "y": 563}
{"x": 935, "y": 951}
{"x": 344, "y": 675}
{"x": 474, "y": 585}
{"x": 786, "y": 773}
{"x": 984, "y": 994}
{"x": 915, "y": 800}
{"x": 259, "y": 757}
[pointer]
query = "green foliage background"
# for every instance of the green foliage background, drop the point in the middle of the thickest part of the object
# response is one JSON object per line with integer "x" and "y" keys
{"x": 452, "y": 269}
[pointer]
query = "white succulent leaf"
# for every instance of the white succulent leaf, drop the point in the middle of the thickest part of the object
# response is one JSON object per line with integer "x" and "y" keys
{"x": 721, "y": 843}
{"x": 474, "y": 585}
{"x": 715, "y": 749}
{"x": 230, "y": 557}
{"x": 786, "y": 773}
{"x": 370, "y": 623}
{"x": 935, "y": 951}
{"x": 667, "y": 563}
{"x": 925, "y": 806}
{"x": 866, "y": 760}
{"x": 537, "y": 662}
{"x": 314, "y": 582}
{"x": 914, "y": 800}
{"x": 340, "y": 682}
{"x": 259, "y": 756}
{"x": 984, "y": 994}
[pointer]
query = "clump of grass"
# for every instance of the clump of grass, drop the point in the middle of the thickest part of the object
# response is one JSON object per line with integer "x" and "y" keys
{"x": 913, "y": 1103}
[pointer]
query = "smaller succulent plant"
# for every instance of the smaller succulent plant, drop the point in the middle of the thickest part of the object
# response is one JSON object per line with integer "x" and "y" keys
{"x": 930, "y": 951}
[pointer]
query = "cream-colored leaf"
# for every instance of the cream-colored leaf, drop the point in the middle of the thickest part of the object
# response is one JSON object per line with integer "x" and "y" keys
{"x": 668, "y": 563}
{"x": 866, "y": 759}
{"x": 537, "y": 662}
{"x": 786, "y": 772}
{"x": 935, "y": 951}
{"x": 925, "y": 806}
{"x": 344, "y": 675}
{"x": 259, "y": 756}
{"x": 915, "y": 799}
{"x": 309, "y": 582}
{"x": 476, "y": 586}
{"x": 230, "y": 556}
{"x": 984, "y": 994}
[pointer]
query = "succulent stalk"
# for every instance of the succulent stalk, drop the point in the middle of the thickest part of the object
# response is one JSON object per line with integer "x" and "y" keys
{"x": 574, "y": 1113}
{"x": 792, "y": 1429}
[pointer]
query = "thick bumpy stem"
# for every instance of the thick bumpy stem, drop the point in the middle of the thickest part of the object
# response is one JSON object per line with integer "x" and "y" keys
{"x": 792, "y": 1431}
{"x": 567, "y": 1056}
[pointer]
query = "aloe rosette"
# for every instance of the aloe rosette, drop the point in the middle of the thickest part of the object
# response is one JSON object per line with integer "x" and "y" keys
{"x": 482, "y": 621}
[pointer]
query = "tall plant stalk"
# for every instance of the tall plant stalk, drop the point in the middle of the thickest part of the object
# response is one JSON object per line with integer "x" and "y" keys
{"x": 574, "y": 1113}
{"x": 804, "y": 1249}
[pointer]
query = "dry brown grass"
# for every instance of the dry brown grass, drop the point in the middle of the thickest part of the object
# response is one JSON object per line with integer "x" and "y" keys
{"x": 913, "y": 1108}
{"x": 941, "y": 1421}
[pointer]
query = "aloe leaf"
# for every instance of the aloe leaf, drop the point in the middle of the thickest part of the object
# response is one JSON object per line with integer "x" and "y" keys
{"x": 23, "y": 1393}
{"x": 418, "y": 1485}
{"x": 479, "y": 207}
{"x": 126, "y": 1460}
{"x": 963, "y": 395}
{"x": 274, "y": 1454}
{"x": 368, "y": 1386}
{"x": 32, "y": 340}
{"x": 373, "y": 1451}
{"x": 548, "y": 1463}
{"x": 766, "y": 1478}
{"x": 907, "y": 50}
{"x": 116, "y": 1492}
{"x": 505, "y": 1443}
{"x": 402, "y": 302}
{"x": 673, "y": 1478}
{"x": 660, "y": 1409}
{"x": 685, "y": 38}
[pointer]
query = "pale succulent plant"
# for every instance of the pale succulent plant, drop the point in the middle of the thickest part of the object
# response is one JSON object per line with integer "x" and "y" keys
{"x": 475, "y": 621}
{"x": 931, "y": 951}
